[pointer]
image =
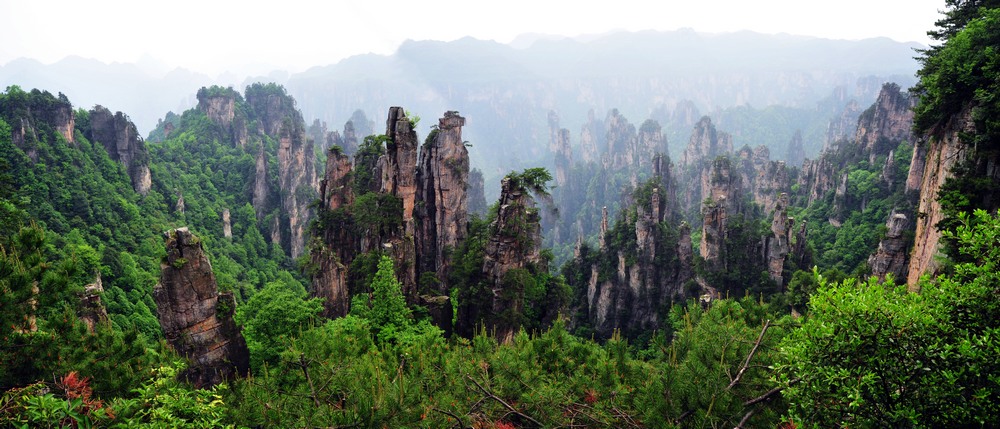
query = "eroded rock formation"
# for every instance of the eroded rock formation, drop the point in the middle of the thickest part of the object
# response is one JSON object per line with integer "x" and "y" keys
{"x": 560, "y": 147}
{"x": 778, "y": 246}
{"x": 221, "y": 108}
{"x": 885, "y": 123}
{"x": 121, "y": 139}
{"x": 723, "y": 197}
{"x": 514, "y": 243}
{"x": 893, "y": 250}
{"x": 92, "y": 311}
{"x": 196, "y": 319}
{"x": 443, "y": 213}
{"x": 627, "y": 288}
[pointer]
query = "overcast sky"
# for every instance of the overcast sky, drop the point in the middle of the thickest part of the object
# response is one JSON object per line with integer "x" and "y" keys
{"x": 213, "y": 36}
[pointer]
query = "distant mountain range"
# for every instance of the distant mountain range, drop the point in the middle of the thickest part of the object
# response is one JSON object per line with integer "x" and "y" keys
{"x": 506, "y": 92}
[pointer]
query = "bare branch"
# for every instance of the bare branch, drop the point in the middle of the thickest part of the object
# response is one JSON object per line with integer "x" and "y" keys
{"x": 769, "y": 394}
{"x": 452, "y": 415}
{"x": 745, "y": 419}
{"x": 504, "y": 403}
{"x": 746, "y": 363}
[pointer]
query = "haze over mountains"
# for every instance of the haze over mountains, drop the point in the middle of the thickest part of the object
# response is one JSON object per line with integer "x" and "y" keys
{"x": 507, "y": 91}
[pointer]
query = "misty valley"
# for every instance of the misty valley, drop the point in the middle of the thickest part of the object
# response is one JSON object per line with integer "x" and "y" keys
{"x": 644, "y": 230}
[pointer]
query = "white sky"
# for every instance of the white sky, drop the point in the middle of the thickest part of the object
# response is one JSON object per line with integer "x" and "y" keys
{"x": 213, "y": 36}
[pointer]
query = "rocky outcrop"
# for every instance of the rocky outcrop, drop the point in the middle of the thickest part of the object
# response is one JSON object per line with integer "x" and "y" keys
{"x": 261, "y": 190}
{"x": 121, "y": 139}
{"x": 350, "y": 140}
{"x": 842, "y": 127}
{"x": 329, "y": 281}
{"x": 723, "y": 198}
{"x": 560, "y": 148}
{"x": 893, "y": 250}
{"x": 277, "y": 117}
{"x": 220, "y": 105}
{"x": 777, "y": 247}
{"x": 297, "y": 180}
{"x": 227, "y": 227}
{"x": 92, "y": 311}
{"x": 706, "y": 144}
{"x": 179, "y": 206}
{"x": 765, "y": 179}
{"x": 651, "y": 141}
{"x": 695, "y": 172}
{"x": 515, "y": 243}
{"x": 397, "y": 165}
{"x": 196, "y": 319}
{"x": 627, "y": 288}
{"x": 796, "y": 154}
{"x": 622, "y": 142}
{"x": 592, "y": 136}
{"x": 442, "y": 177}
{"x": 41, "y": 107}
{"x": 397, "y": 174}
{"x": 335, "y": 188}
{"x": 819, "y": 176}
{"x": 887, "y": 122}
{"x": 335, "y": 246}
{"x": 476, "y": 193}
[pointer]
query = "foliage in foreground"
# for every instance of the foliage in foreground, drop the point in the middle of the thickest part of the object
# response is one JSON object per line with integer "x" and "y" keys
{"x": 341, "y": 373}
{"x": 875, "y": 355}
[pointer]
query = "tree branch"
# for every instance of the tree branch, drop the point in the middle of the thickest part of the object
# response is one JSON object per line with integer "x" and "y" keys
{"x": 769, "y": 394}
{"x": 452, "y": 415}
{"x": 745, "y": 419}
{"x": 746, "y": 363}
{"x": 504, "y": 403}
{"x": 305, "y": 370}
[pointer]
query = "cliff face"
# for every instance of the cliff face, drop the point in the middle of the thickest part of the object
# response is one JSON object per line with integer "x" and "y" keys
{"x": 261, "y": 189}
{"x": 622, "y": 142}
{"x": 886, "y": 122}
{"x": 121, "y": 139}
{"x": 397, "y": 165}
{"x": 765, "y": 179}
{"x": 942, "y": 152}
{"x": 335, "y": 248}
{"x": 843, "y": 126}
{"x": 57, "y": 113}
{"x": 277, "y": 117}
{"x": 297, "y": 180}
{"x": 651, "y": 141}
{"x": 442, "y": 178}
{"x": 197, "y": 319}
